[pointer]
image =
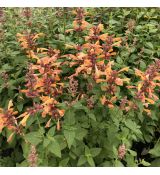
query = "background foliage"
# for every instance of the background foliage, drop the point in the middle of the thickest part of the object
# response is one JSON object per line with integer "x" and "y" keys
{"x": 89, "y": 136}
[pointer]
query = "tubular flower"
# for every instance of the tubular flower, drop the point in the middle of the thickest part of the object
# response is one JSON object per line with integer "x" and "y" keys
{"x": 28, "y": 43}
{"x": 27, "y": 12}
{"x": 92, "y": 55}
{"x": 94, "y": 33}
{"x": 90, "y": 59}
{"x": 146, "y": 87}
{"x": 79, "y": 24}
{"x": 111, "y": 78}
{"x": 43, "y": 82}
{"x": 110, "y": 81}
{"x": 107, "y": 46}
{"x": 9, "y": 120}
{"x": 8, "y": 117}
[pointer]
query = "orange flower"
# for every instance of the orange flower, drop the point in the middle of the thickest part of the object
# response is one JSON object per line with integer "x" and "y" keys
{"x": 7, "y": 117}
{"x": 28, "y": 43}
{"x": 107, "y": 102}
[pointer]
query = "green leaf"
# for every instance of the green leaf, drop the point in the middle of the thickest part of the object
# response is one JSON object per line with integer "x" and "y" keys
{"x": 118, "y": 163}
{"x": 20, "y": 107}
{"x": 30, "y": 121}
{"x": 78, "y": 105}
{"x": 149, "y": 45}
{"x": 142, "y": 65}
{"x": 6, "y": 67}
{"x": 92, "y": 116}
{"x": 140, "y": 106}
{"x": 82, "y": 160}
{"x": 54, "y": 148}
{"x": 130, "y": 160}
{"x": 133, "y": 126}
{"x": 112, "y": 21}
{"x": 87, "y": 151}
{"x": 80, "y": 133}
{"x": 147, "y": 51}
{"x": 89, "y": 156}
{"x": 133, "y": 153}
{"x": 119, "y": 60}
{"x": 107, "y": 164}
{"x": 51, "y": 131}
{"x": 69, "y": 118}
{"x": 155, "y": 152}
{"x": 153, "y": 30}
{"x": 95, "y": 151}
{"x": 25, "y": 149}
{"x": 46, "y": 142}
{"x": 64, "y": 162}
{"x": 34, "y": 138}
{"x": 70, "y": 136}
{"x": 155, "y": 163}
{"x": 90, "y": 161}
{"x": 143, "y": 162}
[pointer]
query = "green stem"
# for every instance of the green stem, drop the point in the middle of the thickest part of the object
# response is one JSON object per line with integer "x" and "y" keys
{"x": 64, "y": 24}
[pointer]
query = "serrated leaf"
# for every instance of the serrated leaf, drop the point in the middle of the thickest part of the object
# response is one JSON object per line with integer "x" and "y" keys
{"x": 69, "y": 118}
{"x": 155, "y": 152}
{"x": 34, "y": 138}
{"x": 51, "y": 131}
{"x": 149, "y": 45}
{"x": 70, "y": 136}
{"x": 95, "y": 151}
{"x": 90, "y": 161}
{"x": 89, "y": 156}
{"x": 82, "y": 160}
{"x": 54, "y": 148}
{"x": 133, "y": 126}
{"x": 81, "y": 133}
{"x": 46, "y": 142}
{"x": 64, "y": 162}
{"x": 92, "y": 116}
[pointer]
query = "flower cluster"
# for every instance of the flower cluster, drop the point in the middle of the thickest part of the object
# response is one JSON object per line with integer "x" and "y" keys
{"x": 145, "y": 89}
{"x": 9, "y": 119}
{"x": 27, "y": 12}
{"x": 79, "y": 24}
{"x": 43, "y": 82}
{"x": 149, "y": 82}
{"x": 1, "y": 15}
{"x": 28, "y": 43}
{"x": 98, "y": 48}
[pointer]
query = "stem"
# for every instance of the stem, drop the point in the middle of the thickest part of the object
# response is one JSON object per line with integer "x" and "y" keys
{"x": 64, "y": 24}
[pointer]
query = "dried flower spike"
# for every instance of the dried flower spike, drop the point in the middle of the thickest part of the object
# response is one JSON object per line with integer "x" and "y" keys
{"x": 121, "y": 151}
{"x": 33, "y": 157}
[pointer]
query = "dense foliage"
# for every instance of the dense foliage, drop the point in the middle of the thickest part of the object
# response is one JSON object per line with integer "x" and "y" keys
{"x": 79, "y": 87}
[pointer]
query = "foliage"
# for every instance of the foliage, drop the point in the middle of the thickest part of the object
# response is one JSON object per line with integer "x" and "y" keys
{"x": 79, "y": 87}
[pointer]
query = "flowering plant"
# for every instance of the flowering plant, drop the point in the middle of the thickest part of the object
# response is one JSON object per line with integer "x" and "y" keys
{"x": 75, "y": 98}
